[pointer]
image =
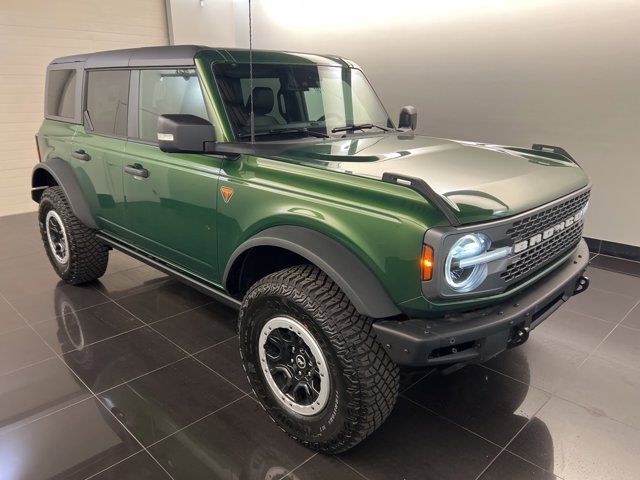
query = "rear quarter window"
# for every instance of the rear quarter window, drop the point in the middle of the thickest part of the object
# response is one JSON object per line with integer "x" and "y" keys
{"x": 61, "y": 97}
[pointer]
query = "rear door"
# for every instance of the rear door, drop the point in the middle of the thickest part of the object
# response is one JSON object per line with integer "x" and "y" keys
{"x": 170, "y": 198}
{"x": 98, "y": 150}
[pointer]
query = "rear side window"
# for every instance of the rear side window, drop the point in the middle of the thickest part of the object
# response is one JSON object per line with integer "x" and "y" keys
{"x": 108, "y": 101}
{"x": 61, "y": 93}
{"x": 167, "y": 91}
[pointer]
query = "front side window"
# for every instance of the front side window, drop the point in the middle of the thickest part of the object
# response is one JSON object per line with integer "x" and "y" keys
{"x": 290, "y": 97}
{"x": 61, "y": 93}
{"x": 108, "y": 101}
{"x": 167, "y": 91}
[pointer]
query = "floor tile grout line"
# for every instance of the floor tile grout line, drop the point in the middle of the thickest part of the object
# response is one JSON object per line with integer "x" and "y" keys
{"x": 202, "y": 350}
{"x": 565, "y": 308}
{"x": 555, "y": 475}
{"x": 181, "y": 313}
{"x": 513, "y": 438}
{"x": 181, "y": 359}
{"x": 609, "y": 334}
{"x": 103, "y": 339}
{"x": 312, "y": 456}
{"x": 189, "y": 354}
{"x": 75, "y": 310}
{"x": 352, "y": 468}
{"x": 198, "y": 352}
{"x": 447, "y": 419}
{"x": 613, "y": 270}
{"x": 10, "y": 430}
{"x": 93, "y": 475}
{"x": 619, "y": 258}
{"x": 115, "y": 300}
{"x": 404, "y": 390}
{"x": 11, "y": 372}
{"x": 84, "y": 384}
{"x": 100, "y": 392}
{"x": 530, "y": 385}
{"x": 13, "y": 330}
{"x": 190, "y": 424}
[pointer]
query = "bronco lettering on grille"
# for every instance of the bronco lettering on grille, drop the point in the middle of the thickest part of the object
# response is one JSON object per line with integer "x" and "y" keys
{"x": 549, "y": 232}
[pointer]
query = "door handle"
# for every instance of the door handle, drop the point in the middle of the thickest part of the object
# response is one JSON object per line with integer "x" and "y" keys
{"x": 81, "y": 155}
{"x": 136, "y": 171}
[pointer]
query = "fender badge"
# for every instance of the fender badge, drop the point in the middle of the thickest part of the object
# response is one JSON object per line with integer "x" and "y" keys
{"x": 227, "y": 193}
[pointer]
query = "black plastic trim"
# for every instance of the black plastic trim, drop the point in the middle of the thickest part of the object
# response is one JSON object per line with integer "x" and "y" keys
{"x": 423, "y": 188}
{"x": 64, "y": 176}
{"x": 559, "y": 150}
{"x": 180, "y": 275}
{"x": 354, "y": 278}
{"x": 481, "y": 334}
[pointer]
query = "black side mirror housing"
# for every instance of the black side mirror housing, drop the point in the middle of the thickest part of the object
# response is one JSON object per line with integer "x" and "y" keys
{"x": 408, "y": 118}
{"x": 183, "y": 133}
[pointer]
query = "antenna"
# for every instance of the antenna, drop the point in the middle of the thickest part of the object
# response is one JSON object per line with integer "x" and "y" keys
{"x": 251, "y": 116}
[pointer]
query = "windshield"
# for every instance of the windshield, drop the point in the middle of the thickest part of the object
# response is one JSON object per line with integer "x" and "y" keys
{"x": 299, "y": 98}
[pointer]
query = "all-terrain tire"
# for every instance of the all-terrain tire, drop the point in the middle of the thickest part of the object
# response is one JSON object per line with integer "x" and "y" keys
{"x": 87, "y": 256}
{"x": 364, "y": 380}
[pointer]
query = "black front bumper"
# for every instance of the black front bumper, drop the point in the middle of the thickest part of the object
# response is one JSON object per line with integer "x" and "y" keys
{"x": 479, "y": 335}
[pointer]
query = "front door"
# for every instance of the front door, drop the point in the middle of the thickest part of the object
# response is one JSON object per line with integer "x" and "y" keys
{"x": 170, "y": 198}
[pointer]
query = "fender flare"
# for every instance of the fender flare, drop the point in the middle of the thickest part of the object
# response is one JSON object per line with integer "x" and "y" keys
{"x": 355, "y": 279}
{"x": 64, "y": 176}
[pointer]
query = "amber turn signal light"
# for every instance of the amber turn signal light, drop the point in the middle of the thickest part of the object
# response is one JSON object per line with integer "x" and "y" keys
{"x": 426, "y": 263}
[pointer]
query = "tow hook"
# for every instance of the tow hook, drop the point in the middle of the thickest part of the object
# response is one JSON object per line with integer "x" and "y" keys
{"x": 519, "y": 335}
{"x": 581, "y": 285}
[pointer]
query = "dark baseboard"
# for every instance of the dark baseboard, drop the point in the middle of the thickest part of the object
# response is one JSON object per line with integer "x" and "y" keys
{"x": 613, "y": 249}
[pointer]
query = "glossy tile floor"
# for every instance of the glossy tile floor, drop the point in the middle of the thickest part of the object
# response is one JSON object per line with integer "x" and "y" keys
{"x": 139, "y": 377}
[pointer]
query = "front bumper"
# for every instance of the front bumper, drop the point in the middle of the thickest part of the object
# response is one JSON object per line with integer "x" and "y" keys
{"x": 479, "y": 335}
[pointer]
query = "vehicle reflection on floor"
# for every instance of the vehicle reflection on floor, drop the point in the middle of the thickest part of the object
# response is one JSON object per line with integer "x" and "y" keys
{"x": 238, "y": 441}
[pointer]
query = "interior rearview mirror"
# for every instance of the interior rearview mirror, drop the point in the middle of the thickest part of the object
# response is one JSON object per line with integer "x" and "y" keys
{"x": 408, "y": 118}
{"x": 182, "y": 133}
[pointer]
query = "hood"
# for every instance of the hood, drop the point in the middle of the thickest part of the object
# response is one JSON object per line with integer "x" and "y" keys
{"x": 480, "y": 182}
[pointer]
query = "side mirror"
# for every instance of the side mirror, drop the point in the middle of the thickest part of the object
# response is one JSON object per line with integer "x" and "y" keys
{"x": 182, "y": 133}
{"x": 408, "y": 118}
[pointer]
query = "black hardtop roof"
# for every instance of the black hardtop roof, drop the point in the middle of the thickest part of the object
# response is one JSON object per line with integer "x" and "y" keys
{"x": 178, "y": 55}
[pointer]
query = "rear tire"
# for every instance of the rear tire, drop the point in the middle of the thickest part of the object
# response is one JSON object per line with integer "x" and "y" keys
{"x": 73, "y": 249}
{"x": 355, "y": 383}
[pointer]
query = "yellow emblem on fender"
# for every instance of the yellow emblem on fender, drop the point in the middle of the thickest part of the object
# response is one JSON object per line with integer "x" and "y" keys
{"x": 227, "y": 193}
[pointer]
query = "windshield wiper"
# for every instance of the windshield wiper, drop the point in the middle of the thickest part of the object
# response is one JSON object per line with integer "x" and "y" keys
{"x": 362, "y": 126}
{"x": 278, "y": 131}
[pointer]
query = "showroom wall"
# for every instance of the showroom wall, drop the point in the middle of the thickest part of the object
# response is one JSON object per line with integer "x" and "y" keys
{"x": 563, "y": 72}
{"x": 32, "y": 33}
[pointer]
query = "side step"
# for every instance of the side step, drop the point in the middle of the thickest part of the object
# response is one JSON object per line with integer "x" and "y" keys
{"x": 178, "y": 274}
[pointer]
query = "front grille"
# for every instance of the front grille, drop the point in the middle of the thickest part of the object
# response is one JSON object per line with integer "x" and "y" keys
{"x": 539, "y": 222}
{"x": 539, "y": 255}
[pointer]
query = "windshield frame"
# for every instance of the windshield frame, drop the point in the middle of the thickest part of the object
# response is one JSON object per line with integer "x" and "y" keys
{"x": 237, "y": 135}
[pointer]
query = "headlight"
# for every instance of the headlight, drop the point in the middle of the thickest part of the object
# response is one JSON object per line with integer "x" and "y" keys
{"x": 466, "y": 279}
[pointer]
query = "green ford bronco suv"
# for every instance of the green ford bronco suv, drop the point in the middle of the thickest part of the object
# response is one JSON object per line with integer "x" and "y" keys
{"x": 277, "y": 183}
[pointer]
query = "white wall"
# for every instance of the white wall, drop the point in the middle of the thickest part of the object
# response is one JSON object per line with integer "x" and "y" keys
{"x": 563, "y": 72}
{"x": 206, "y": 22}
{"x": 34, "y": 32}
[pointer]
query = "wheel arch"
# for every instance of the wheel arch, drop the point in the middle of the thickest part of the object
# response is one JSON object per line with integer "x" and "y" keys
{"x": 303, "y": 245}
{"x": 56, "y": 172}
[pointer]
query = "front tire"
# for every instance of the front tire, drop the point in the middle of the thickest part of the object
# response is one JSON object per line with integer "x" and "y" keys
{"x": 313, "y": 360}
{"x": 73, "y": 249}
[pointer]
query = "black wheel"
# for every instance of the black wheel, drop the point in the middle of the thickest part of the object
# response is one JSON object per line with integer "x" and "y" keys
{"x": 313, "y": 360}
{"x": 73, "y": 249}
